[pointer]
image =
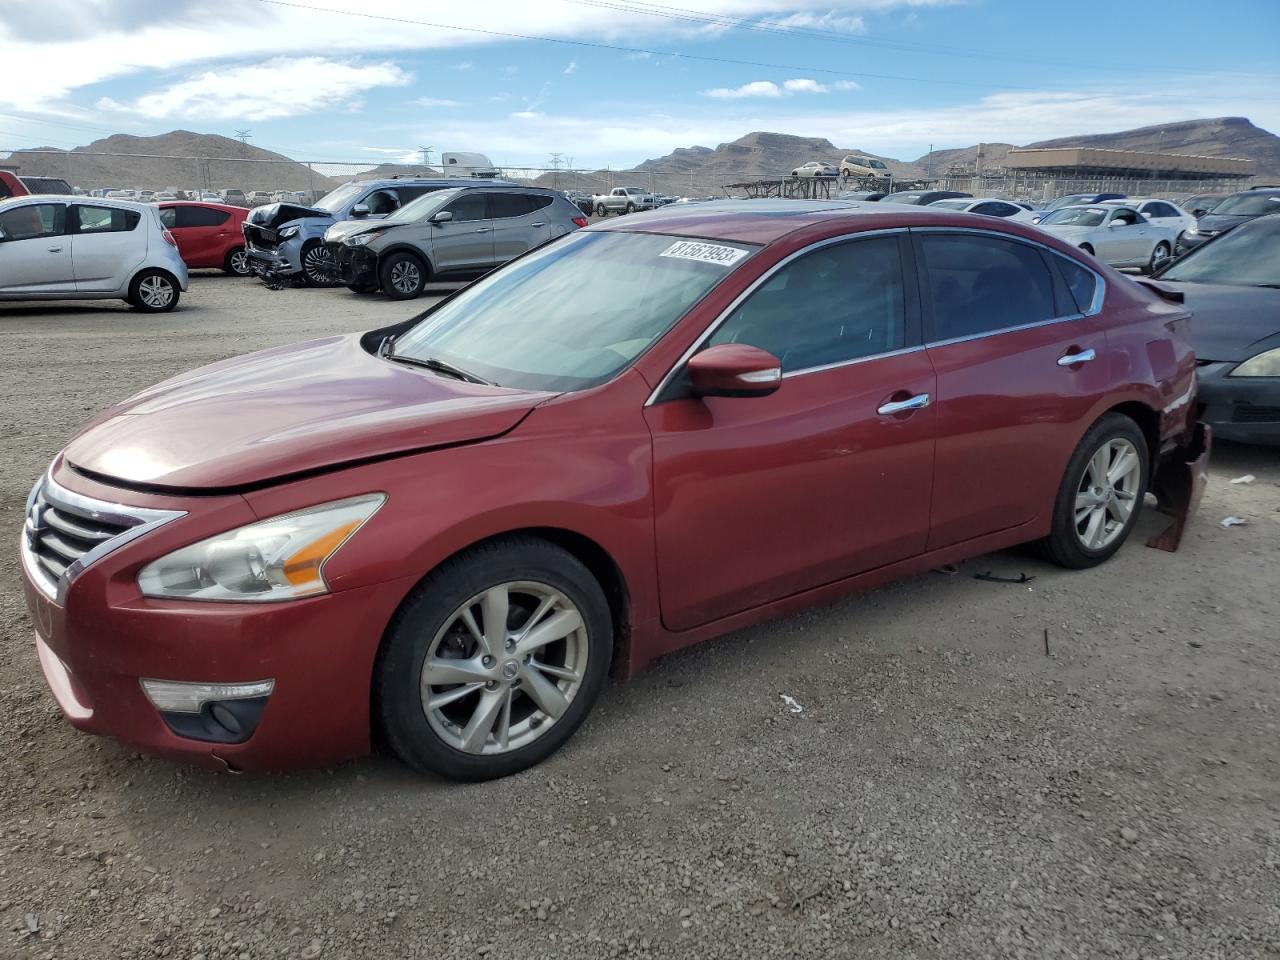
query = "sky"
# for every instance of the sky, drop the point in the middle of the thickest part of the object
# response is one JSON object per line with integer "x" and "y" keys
{"x": 614, "y": 82}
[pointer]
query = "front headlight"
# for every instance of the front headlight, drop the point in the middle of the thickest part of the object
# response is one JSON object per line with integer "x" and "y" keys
{"x": 288, "y": 232}
{"x": 1263, "y": 365}
{"x": 359, "y": 240}
{"x": 281, "y": 558}
{"x": 1193, "y": 229}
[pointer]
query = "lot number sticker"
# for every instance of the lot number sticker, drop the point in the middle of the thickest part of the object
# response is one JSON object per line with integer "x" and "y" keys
{"x": 705, "y": 252}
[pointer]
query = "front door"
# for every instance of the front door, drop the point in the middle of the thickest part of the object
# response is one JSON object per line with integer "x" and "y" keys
{"x": 106, "y": 246}
{"x": 1002, "y": 329}
{"x": 35, "y": 253}
{"x": 760, "y": 498}
{"x": 465, "y": 243}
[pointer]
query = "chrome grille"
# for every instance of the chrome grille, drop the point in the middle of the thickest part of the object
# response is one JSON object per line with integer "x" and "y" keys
{"x": 65, "y": 532}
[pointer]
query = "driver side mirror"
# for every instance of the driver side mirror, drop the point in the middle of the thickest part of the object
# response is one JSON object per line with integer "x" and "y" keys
{"x": 1199, "y": 212}
{"x": 734, "y": 370}
{"x": 442, "y": 216}
{"x": 1117, "y": 223}
{"x": 360, "y": 210}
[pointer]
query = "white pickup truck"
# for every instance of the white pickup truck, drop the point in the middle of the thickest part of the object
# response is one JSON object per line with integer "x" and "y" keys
{"x": 623, "y": 200}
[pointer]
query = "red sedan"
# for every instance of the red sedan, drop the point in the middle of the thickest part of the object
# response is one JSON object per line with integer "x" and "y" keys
{"x": 208, "y": 234}
{"x": 453, "y": 529}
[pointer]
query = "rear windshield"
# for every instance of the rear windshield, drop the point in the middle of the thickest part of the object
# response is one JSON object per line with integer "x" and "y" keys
{"x": 530, "y": 326}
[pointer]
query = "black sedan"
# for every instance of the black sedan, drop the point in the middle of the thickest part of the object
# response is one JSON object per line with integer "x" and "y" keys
{"x": 1230, "y": 213}
{"x": 1232, "y": 287}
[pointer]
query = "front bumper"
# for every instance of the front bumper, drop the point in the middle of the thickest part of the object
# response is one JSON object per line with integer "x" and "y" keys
{"x": 1242, "y": 409}
{"x": 102, "y": 639}
{"x": 356, "y": 266}
{"x": 1190, "y": 241}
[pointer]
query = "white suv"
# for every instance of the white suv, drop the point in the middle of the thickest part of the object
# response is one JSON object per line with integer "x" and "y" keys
{"x": 64, "y": 248}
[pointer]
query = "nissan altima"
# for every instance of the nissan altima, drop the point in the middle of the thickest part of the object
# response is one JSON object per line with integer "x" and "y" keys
{"x": 446, "y": 534}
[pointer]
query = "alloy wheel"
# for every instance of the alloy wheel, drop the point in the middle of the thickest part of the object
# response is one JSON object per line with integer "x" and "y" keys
{"x": 504, "y": 667}
{"x": 406, "y": 277}
{"x": 1107, "y": 494}
{"x": 239, "y": 263}
{"x": 156, "y": 292}
{"x": 317, "y": 263}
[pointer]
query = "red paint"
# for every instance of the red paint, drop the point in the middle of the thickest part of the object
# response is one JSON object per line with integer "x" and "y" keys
{"x": 717, "y": 512}
{"x": 208, "y": 246}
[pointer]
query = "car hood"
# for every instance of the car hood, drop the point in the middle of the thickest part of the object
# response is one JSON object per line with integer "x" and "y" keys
{"x": 1065, "y": 230}
{"x": 275, "y": 215}
{"x": 1216, "y": 223}
{"x": 268, "y": 416}
{"x": 1229, "y": 322}
{"x": 350, "y": 228}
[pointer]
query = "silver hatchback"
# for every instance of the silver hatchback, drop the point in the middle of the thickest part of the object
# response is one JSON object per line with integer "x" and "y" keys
{"x": 65, "y": 248}
{"x": 448, "y": 234}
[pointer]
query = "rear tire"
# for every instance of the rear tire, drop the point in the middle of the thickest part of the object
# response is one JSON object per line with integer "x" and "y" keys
{"x": 601, "y": 210}
{"x": 154, "y": 291}
{"x": 460, "y": 738}
{"x": 236, "y": 262}
{"x": 402, "y": 275}
{"x": 1159, "y": 257}
{"x": 1090, "y": 522}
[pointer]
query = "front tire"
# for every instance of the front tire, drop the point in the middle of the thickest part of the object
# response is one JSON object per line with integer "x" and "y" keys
{"x": 493, "y": 661}
{"x": 1101, "y": 494}
{"x": 601, "y": 210}
{"x": 317, "y": 265}
{"x": 1159, "y": 257}
{"x": 631, "y": 208}
{"x": 154, "y": 291}
{"x": 402, "y": 275}
{"x": 236, "y": 262}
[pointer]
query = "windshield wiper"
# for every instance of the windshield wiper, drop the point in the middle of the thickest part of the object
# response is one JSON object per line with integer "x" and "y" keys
{"x": 438, "y": 366}
{"x": 1269, "y": 286}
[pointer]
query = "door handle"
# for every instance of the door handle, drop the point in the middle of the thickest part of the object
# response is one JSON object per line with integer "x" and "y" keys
{"x": 481, "y": 230}
{"x": 540, "y": 223}
{"x": 55, "y": 249}
{"x": 1071, "y": 359}
{"x": 918, "y": 402}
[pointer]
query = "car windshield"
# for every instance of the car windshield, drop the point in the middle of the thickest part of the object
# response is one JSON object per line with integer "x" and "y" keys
{"x": 1249, "y": 204}
{"x": 1075, "y": 217}
{"x": 335, "y": 200}
{"x": 906, "y": 196}
{"x": 423, "y": 207}
{"x": 1246, "y": 256}
{"x": 876, "y": 165}
{"x": 529, "y": 326}
{"x": 1071, "y": 201}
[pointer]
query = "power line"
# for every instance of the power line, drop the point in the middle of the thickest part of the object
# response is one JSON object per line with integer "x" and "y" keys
{"x": 243, "y": 136}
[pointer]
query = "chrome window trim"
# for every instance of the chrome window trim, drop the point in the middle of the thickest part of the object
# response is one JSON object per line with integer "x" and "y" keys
{"x": 755, "y": 285}
{"x": 140, "y": 521}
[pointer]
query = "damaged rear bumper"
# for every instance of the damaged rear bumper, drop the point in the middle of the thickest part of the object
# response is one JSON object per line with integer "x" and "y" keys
{"x": 1179, "y": 484}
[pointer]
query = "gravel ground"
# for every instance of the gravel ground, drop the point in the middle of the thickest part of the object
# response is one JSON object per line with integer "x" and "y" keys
{"x": 942, "y": 788}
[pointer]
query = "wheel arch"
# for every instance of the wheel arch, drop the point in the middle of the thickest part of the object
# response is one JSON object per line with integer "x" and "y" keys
{"x": 409, "y": 249}
{"x": 1148, "y": 421}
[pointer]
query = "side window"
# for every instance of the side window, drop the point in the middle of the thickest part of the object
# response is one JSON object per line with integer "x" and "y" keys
{"x": 105, "y": 220}
{"x": 381, "y": 202}
{"x": 408, "y": 193}
{"x": 505, "y": 205}
{"x": 992, "y": 209}
{"x": 169, "y": 217}
{"x": 1161, "y": 210}
{"x": 33, "y": 220}
{"x": 981, "y": 284}
{"x": 469, "y": 206}
{"x": 1125, "y": 216}
{"x": 1081, "y": 282}
{"x": 200, "y": 217}
{"x": 835, "y": 304}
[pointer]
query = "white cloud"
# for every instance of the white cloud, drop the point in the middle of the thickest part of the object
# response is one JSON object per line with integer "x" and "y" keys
{"x": 827, "y": 21}
{"x": 803, "y": 86}
{"x": 434, "y": 102}
{"x": 464, "y": 65}
{"x": 847, "y": 85}
{"x": 572, "y": 68}
{"x": 395, "y": 150}
{"x": 757, "y": 88}
{"x": 283, "y": 87}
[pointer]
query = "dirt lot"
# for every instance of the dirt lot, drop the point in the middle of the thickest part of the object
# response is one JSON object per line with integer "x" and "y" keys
{"x": 945, "y": 790}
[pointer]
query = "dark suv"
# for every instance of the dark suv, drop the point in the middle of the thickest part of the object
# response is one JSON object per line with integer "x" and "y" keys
{"x": 1236, "y": 209}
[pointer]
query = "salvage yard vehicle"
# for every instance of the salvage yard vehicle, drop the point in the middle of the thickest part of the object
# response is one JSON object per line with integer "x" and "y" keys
{"x": 923, "y": 198}
{"x": 857, "y": 167}
{"x": 286, "y": 240}
{"x": 208, "y": 234}
{"x": 1232, "y": 286}
{"x": 445, "y": 234}
{"x": 444, "y": 534}
{"x": 623, "y": 200}
{"x": 816, "y": 168}
{"x": 987, "y": 206}
{"x": 1115, "y": 234}
{"x": 62, "y": 248}
{"x": 1163, "y": 213}
{"x": 12, "y": 185}
{"x": 1230, "y": 213}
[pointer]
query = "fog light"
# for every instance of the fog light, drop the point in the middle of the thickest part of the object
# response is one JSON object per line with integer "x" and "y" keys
{"x": 172, "y": 696}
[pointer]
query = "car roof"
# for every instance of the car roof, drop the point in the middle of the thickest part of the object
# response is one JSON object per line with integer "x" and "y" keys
{"x": 414, "y": 181}
{"x": 87, "y": 201}
{"x": 764, "y": 221}
{"x": 229, "y": 207}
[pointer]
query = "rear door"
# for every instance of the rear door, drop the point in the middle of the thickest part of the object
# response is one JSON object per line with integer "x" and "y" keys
{"x": 763, "y": 497}
{"x": 1002, "y": 329}
{"x": 35, "y": 253}
{"x": 201, "y": 232}
{"x": 107, "y": 246}
{"x": 520, "y": 223}
{"x": 465, "y": 243}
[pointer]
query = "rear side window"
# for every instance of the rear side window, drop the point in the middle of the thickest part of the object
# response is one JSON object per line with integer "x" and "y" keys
{"x": 198, "y": 217}
{"x": 413, "y": 193}
{"x": 1160, "y": 210}
{"x": 993, "y": 209}
{"x": 981, "y": 284}
{"x": 503, "y": 205}
{"x": 33, "y": 220}
{"x": 835, "y": 304}
{"x": 105, "y": 219}
{"x": 1081, "y": 282}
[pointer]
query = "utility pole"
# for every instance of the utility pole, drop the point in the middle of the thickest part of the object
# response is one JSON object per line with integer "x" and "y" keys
{"x": 556, "y": 161}
{"x": 426, "y": 155}
{"x": 243, "y": 136}
{"x": 928, "y": 164}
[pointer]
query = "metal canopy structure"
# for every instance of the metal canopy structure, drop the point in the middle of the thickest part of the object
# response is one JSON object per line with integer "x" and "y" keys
{"x": 791, "y": 188}
{"x": 1078, "y": 162}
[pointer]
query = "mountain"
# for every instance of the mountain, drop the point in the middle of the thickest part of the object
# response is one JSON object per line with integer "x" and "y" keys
{"x": 963, "y": 158}
{"x": 1217, "y": 137}
{"x": 170, "y": 162}
{"x": 385, "y": 170}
